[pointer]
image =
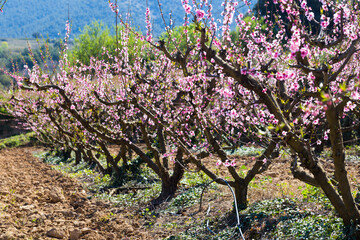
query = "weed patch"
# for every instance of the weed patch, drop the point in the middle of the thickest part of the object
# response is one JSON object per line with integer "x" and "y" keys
{"x": 18, "y": 140}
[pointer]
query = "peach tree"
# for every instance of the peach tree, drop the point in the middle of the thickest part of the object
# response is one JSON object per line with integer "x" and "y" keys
{"x": 292, "y": 83}
{"x": 302, "y": 83}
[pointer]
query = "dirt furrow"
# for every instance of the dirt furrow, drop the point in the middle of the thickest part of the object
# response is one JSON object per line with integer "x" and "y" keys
{"x": 37, "y": 202}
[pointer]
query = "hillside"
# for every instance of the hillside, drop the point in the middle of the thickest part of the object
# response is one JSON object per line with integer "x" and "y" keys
{"x": 23, "y": 18}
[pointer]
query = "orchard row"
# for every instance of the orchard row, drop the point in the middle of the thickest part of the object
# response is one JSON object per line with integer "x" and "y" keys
{"x": 175, "y": 101}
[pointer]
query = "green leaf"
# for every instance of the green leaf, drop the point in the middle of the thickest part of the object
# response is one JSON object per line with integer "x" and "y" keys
{"x": 271, "y": 127}
{"x": 343, "y": 86}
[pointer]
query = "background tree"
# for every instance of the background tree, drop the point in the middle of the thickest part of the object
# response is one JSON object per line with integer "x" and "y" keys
{"x": 36, "y": 35}
{"x": 97, "y": 42}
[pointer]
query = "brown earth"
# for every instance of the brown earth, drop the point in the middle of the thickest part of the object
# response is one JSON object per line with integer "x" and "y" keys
{"x": 37, "y": 202}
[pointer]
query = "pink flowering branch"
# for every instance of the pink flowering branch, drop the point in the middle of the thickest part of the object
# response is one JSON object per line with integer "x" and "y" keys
{"x": 2, "y": 4}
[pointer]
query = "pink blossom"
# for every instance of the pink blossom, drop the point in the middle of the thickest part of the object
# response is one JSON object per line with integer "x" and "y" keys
{"x": 227, "y": 163}
{"x": 303, "y": 4}
{"x": 337, "y": 17}
{"x": 233, "y": 113}
{"x": 148, "y": 25}
{"x": 218, "y": 163}
{"x": 200, "y": 14}
{"x": 324, "y": 21}
{"x": 187, "y": 8}
{"x": 294, "y": 45}
{"x": 304, "y": 52}
{"x": 324, "y": 24}
{"x": 310, "y": 16}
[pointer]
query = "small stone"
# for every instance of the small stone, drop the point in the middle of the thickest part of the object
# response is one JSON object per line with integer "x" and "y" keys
{"x": 79, "y": 223}
{"x": 55, "y": 196}
{"x": 68, "y": 214}
{"x": 75, "y": 234}
{"x": 9, "y": 234}
{"x": 4, "y": 193}
{"x": 39, "y": 194}
{"x": 76, "y": 223}
{"x": 55, "y": 233}
{"x": 272, "y": 174}
{"x": 85, "y": 230}
{"x": 80, "y": 211}
{"x": 110, "y": 236}
{"x": 6, "y": 236}
{"x": 26, "y": 208}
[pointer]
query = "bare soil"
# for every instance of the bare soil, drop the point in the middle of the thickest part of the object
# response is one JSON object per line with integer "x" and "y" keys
{"x": 37, "y": 202}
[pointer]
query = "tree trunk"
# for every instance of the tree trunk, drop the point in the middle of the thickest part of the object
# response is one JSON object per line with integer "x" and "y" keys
{"x": 77, "y": 157}
{"x": 67, "y": 154}
{"x": 123, "y": 155}
{"x": 338, "y": 154}
{"x": 241, "y": 189}
{"x": 92, "y": 159}
{"x": 308, "y": 161}
{"x": 169, "y": 185}
{"x": 113, "y": 166}
{"x": 168, "y": 190}
{"x": 130, "y": 155}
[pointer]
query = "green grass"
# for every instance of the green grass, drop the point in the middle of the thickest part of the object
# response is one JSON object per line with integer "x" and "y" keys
{"x": 244, "y": 151}
{"x": 189, "y": 193}
{"x": 352, "y": 153}
{"x": 135, "y": 174}
{"x": 311, "y": 217}
{"x": 18, "y": 140}
{"x": 280, "y": 218}
{"x": 100, "y": 186}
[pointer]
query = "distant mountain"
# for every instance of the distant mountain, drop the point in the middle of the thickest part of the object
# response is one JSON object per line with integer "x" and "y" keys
{"x": 23, "y": 18}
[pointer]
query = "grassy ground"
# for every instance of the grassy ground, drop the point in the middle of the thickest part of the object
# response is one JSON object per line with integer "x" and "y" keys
{"x": 305, "y": 215}
{"x": 279, "y": 207}
{"x": 18, "y": 140}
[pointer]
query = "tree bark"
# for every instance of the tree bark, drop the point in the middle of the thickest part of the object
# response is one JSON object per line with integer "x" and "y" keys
{"x": 123, "y": 155}
{"x": 169, "y": 185}
{"x": 77, "y": 156}
{"x": 320, "y": 177}
{"x": 338, "y": 154}
{"x": 241, "y": 189}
